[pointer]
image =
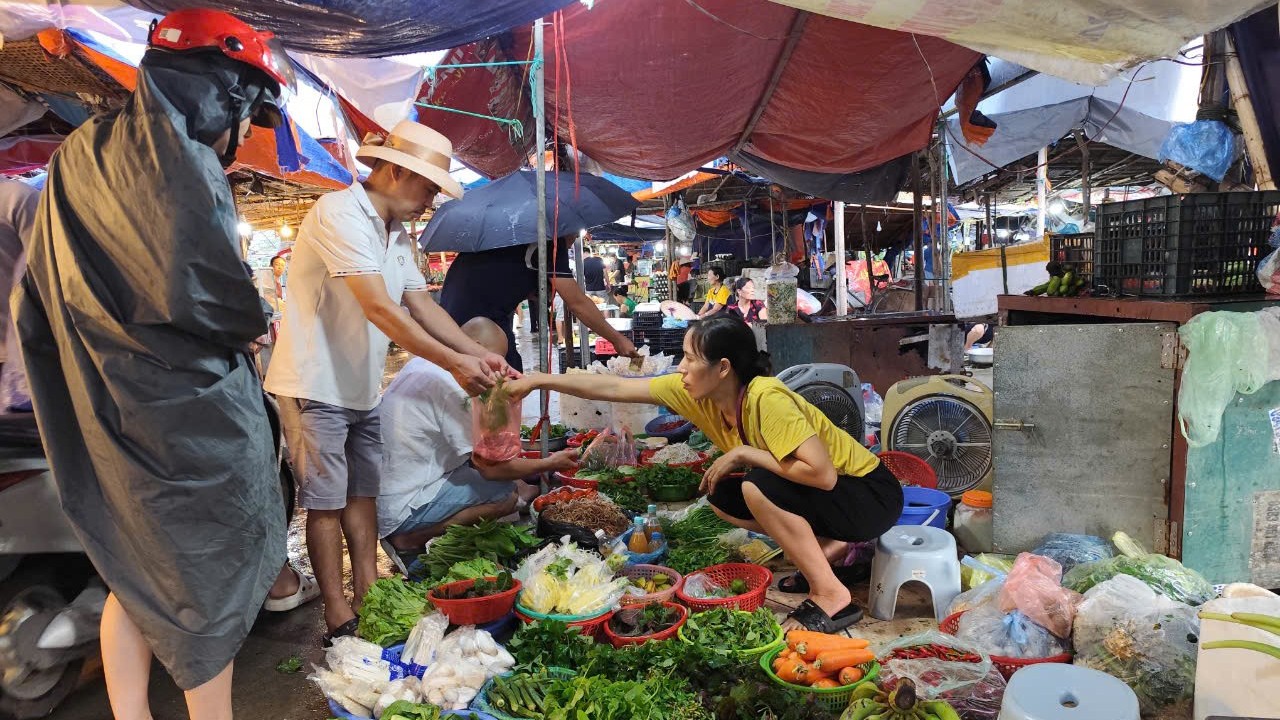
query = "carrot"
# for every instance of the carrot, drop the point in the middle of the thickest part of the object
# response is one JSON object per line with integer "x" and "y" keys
{"x": 825, "y": 683}
{"x": 837, "y": 659}
{"x": 794, "y": 671}
{"x": 798, "y": 636}
{"x": 850, "y": 675}
{"x": 810, "y": 649}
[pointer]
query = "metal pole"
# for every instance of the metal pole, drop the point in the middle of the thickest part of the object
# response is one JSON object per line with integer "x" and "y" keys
{"x": 584, "y": 350}
{"x": 842, "y": 288}
{"x": 540, "y": 169}
{"x": 1086, "y": 187}
{"x": 869, "y": 247}
{"x": 1042, "y": 189}
{"x": 991, "y": 228}
{"x": 943, "y": 245}
{"x": 917, "y": 238}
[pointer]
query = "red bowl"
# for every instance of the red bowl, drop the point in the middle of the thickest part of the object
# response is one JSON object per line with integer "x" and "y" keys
{"x": 619, "y": 641}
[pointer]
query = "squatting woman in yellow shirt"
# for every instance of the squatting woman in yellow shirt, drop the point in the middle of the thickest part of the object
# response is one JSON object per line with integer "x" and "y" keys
{"x": 809, "y": 485}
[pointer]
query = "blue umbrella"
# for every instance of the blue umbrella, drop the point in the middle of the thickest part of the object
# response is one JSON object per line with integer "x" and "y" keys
{"x": 504, "y": 212}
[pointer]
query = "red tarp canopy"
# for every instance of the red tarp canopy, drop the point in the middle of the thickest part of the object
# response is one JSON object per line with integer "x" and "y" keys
{"x": 658, "y": 88}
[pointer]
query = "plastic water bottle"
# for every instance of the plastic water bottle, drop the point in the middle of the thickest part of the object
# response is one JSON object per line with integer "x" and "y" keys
{"x": 651, "y": 524}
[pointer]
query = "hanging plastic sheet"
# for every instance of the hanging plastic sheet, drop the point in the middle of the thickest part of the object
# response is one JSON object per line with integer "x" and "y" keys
{"x": 1085, "y": 41}
{"x": 373, "y": 29}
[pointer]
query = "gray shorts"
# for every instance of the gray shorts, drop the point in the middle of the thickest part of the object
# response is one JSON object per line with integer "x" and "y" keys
{"x": 336, "y": 453}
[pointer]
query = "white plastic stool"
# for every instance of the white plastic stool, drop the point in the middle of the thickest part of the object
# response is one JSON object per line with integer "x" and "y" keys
{"x": 1054, "y": 691}
{"x": 914, "y": 552}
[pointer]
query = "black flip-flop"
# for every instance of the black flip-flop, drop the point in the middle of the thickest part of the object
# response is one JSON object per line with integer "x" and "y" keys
{"x": 817, "y": 620}
{"x": 348, "y": 629}
{"x": 848, "y": 574}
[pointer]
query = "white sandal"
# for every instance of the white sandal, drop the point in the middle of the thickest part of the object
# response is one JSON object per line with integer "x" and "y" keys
{"x": 308, "y": 590}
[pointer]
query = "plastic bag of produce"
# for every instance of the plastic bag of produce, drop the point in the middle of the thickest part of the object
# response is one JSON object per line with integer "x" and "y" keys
{"x": 982, "y": 568}
{"x": 495, "y": 425}
{"x": 1034, "y": 587}
{"x": 988, "y": 592}
{"x": 1163, "y": 574}
{"x": 1125, "y": 629}
{"x": 944, "y": 667}
{"x": 1071, "y": 550}
{"x": 614, "y": 447}
{"x": 1011, "y": 635}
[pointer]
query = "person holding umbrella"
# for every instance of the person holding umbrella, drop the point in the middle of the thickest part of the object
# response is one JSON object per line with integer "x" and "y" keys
{"x": 494, "y": 231}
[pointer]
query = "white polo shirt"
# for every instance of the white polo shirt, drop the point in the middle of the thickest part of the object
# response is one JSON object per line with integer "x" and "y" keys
{"x": 328, "y": 351}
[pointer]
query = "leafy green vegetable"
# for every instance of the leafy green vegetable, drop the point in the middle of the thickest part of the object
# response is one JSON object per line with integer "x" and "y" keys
{"x": 598, "y": 698}
{"x": 554, "y": 431}
{"x": 405, "y": 710}
{"x": 487, "y": 539}
{"x": 686, "y": 559}
{"x": 290, "y": 665}
{"x": 730, "y": 630}
{"x": 549, "y": 643}
{"x": 694, "y": 541}
{"x": 495, "y": 407}
{"x": 651, "y": 477}
{"x": 390, "y": 609}
{"x": 627, "y": 496}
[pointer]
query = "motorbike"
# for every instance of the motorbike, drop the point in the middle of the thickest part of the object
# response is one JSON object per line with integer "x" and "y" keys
{"x": 51, "y": 599}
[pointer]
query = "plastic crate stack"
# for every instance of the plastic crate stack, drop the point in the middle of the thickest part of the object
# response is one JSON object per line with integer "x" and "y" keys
{"x": 1075, "y": 252}
{"x": 1181, "y": 245}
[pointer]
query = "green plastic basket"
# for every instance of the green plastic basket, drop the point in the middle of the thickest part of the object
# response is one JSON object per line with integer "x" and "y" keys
{"x": 834, "y": 699}
{"x": 748, "y": 654}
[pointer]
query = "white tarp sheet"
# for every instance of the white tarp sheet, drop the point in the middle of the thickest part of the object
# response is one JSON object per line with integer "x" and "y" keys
{"x": 1087, "y": 41}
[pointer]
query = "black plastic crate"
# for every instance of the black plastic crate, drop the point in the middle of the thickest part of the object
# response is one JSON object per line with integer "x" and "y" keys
{"x": 1075, "y": 252}
{"x": 1181, "y": 245}
{"x": 645, "y": 320}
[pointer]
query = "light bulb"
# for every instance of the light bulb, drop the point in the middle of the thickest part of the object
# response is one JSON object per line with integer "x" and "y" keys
{"x": 245, "y": 228}
{"x": 286, "y": 231}
{"x": 878, "y": 228}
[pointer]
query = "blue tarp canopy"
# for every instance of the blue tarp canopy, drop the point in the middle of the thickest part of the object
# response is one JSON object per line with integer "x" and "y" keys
{"x": 374, "y": 29}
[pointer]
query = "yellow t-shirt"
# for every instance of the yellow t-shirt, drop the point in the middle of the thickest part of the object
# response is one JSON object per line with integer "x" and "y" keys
{"x": 718, "y": 297}
{"x": 774, "y": 419}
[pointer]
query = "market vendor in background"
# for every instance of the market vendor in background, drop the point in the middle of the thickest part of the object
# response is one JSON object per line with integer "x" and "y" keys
{"x": 594, "y": 275}
{"x": 626, "y": 303}
{"x": 717, "y": 295}
{"x": 491, "y": 283}
{"x": 430, "y": 479}
{"x": 809, "y": 486}
{"x": 352, "y": 277}
{"x": 745, "y": 305}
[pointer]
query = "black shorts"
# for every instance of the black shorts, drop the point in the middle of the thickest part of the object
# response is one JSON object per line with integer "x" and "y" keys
{"x": 856, "y": 509}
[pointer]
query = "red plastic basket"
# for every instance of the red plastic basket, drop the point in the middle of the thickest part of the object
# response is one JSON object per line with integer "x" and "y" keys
{"x": 1006, "y": 665}
{"x": 909, "y": 469}
{"x": 695, "y": 465}
{"x": 757, "y": 578}
{"x": 474, "y": 611}
{"x": 619, "y": 641}
{"x": 648, "y": 571}
{"x": 589, "y": 628}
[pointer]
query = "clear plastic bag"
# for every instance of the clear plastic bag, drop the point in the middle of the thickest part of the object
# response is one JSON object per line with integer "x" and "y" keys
{"x": 988, "y": 592}
{"x": 1269, "y": 273}
{"x": 1070, "y": 550}
{"x": 1011, "y": 635}
{"x": 700, "y": 586}
{"x": 973, "y": 689}
{"x": 1125, "y": 629}
{"x": 1162, "y": 574}
{"x": 613, "y": 448}
{"x": 982, "y": 568}
{"x": 1228, "y": 353}
{"x": 495, "y": 425}
{"x": 1034, "y": 587}
{"x": 1206, "y": 146}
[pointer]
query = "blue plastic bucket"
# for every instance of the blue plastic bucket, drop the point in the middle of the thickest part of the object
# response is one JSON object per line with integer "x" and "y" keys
{"x": 919, "y": 503}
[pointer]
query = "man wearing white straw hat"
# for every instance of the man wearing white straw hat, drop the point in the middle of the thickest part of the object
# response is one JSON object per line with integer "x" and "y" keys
{"x": 351, "y": 279}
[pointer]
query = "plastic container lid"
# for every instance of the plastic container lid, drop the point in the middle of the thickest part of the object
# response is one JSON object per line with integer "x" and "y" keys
{"x": 976, "y": 498}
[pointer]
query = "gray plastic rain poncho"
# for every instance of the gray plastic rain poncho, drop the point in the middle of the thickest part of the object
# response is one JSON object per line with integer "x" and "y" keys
{"x": 135, "y": 318}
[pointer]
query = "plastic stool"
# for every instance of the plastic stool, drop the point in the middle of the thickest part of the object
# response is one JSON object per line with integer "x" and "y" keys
{"x": 1053, "y": 691}
{"x": 914, "y": 552}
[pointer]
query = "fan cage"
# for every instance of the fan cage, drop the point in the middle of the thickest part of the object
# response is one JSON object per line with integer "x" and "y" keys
{"x": 836, "y": 403}
{"x": 937, "y": 416}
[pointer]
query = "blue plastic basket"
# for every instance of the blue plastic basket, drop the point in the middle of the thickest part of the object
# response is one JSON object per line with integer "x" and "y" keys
{"x": 652, "y": 558}
{"x": 338, "y": 712}
{"x": 919, "y": 503}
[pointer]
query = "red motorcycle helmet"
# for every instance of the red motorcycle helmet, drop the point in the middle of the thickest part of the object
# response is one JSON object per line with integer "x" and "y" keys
{"x": 201, "y": 29}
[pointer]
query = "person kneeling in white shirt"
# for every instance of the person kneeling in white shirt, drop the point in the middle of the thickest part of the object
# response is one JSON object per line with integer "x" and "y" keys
{"x": 430, "y": 479}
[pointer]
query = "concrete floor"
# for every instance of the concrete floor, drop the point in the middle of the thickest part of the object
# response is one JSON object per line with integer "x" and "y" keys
{"x": 263, "y": 693}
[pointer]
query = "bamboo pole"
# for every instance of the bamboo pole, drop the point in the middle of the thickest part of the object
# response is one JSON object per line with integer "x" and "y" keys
{"x": 1242, "y": 101}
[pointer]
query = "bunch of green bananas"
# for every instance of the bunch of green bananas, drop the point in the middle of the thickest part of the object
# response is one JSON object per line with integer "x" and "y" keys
{"x": 1066, "y": 285}
{"x": 901, "y": 703}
